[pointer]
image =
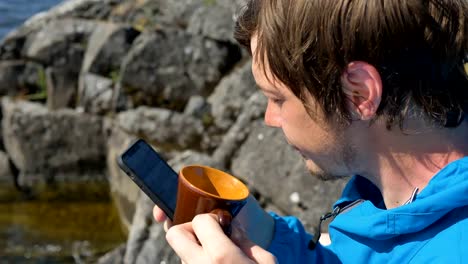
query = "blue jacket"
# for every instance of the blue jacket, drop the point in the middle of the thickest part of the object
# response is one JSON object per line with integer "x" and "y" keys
{"x": 431, "y": 229}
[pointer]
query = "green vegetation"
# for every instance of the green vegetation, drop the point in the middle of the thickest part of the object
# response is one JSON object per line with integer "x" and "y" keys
{"x": 41, "y": 94}
{"x": 146, "y": 19}
{"x": 207, "y": 119}
{"x": 115, "y": 76}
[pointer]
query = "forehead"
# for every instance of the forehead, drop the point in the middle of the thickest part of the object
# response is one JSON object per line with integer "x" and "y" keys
{"x": 261, "y": 70}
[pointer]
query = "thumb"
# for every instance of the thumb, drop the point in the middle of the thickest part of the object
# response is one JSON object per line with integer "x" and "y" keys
{"x": 252, "y": 250}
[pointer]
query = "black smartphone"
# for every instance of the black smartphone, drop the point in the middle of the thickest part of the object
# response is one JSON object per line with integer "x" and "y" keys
{"x": 152, "y": 174}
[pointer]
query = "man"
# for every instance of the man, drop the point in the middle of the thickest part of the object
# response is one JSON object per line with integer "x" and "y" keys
{"x": 375, "y": 90}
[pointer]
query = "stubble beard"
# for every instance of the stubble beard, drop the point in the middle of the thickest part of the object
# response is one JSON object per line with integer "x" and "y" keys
{"x": 347, "y": 158}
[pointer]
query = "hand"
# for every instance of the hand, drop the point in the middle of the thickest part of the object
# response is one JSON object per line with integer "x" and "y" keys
{"x": 161, "y": 217}
{"x": 258, "y": 224}
{"x": 203, "y": 241}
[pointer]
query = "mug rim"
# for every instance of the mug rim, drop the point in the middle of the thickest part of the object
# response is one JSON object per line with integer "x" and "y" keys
{"x": 196, "y": 189}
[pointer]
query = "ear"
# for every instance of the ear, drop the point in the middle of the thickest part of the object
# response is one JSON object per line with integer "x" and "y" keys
{"x": 362, "y": 86}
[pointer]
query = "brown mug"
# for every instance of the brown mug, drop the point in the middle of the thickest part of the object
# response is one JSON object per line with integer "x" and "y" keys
{"x": 203, "y": 189}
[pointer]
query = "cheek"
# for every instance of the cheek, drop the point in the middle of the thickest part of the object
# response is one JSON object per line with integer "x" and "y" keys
{"x": 311, "y": 138}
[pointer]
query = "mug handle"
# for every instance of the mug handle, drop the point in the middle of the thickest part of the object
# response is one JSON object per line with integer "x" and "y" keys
{"x": 224, "y": 220}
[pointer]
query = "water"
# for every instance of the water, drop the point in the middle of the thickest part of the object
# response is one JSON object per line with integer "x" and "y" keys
{"x": 70, "y": 224}
{"x": 14, "y": 12}
{"x": 58, "y": 231}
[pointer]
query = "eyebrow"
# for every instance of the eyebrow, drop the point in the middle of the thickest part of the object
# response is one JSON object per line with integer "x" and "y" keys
{"x": 267, "y": 90}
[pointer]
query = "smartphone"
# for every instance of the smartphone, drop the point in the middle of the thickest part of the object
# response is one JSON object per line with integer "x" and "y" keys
{"x": 152, "y": 174}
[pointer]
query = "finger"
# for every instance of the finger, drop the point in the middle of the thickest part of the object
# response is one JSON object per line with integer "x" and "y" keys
{"x": 167, "y": 225}
{"x": 207, "y": 227}
{"x": 158, "y": 214}
{"x": 253, "y": 251}
{"x": 213, "y": 240}
{"x": 182, "y": 239}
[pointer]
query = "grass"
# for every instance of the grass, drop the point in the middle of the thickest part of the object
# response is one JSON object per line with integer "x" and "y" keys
{"x": 41, "y": 94}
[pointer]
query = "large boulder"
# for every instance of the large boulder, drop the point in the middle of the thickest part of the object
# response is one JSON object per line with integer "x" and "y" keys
{"x": 106, "y": 48}
{"x": 12, "y": 45}
{"x": 215, "y": 19}
{"x": 146, "y": 242}
{"x": 96, "y": 93}
{"x": 237, "y": 134}
{"x": 50, "y": 144}
{"x": 124, "y": 191}
{"x": 171, "y": 66}
{"x": 230, "y": 95}
{"x": 100, "y": 71}
{"x": 167, "y": 129}
{"x": 60, "y": 46}
{"x": 60, "y": 42}
{"x": 9, "y": 72}
{"x": 61, "y": 87}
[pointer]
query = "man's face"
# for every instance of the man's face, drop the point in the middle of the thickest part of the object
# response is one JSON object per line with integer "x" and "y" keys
{"x": 327, "y": 152}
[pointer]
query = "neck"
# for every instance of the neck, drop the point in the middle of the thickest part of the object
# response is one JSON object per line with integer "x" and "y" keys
{"x": 402, "y": 162}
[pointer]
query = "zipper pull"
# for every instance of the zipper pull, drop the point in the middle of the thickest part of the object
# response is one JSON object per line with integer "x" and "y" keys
{"x": 313, "y": 242}
{"x": 337, "y": 210}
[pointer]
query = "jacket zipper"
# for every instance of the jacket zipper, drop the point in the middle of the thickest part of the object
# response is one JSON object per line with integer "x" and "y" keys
{"x": 336, "y": 211}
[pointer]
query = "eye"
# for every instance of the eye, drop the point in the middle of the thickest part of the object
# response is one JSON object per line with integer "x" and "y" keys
{"x": 277, "y": 101}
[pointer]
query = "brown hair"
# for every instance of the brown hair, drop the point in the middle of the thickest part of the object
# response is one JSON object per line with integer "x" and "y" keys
{"x": 418, "y": 47}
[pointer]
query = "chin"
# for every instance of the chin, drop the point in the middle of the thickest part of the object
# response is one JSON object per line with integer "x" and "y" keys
{"x": 319, "y": 172}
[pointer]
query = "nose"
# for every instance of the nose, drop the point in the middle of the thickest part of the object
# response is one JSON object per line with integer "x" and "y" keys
{"x": 272, "y": 117}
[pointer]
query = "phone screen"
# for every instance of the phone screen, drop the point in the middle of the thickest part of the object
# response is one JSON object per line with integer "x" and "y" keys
{"x": 153, "y": 173}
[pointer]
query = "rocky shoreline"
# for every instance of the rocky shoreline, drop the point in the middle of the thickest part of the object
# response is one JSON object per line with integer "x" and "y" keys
{"x": 83, "y": 80}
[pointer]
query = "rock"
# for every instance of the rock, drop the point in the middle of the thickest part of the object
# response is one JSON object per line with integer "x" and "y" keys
{"x": 124, "y": 191}
{"x": 230, "y": 95}
{"x": 39, "y": 140}
{"x": 142, "y": 15}
{"x": 115, "y": 256}
{"x": 253, "y": 109}
{"x": 33, "y": 78}
{"x": 197, "y": 106}
{"x": 7, "y": 181}
{"x": 20, "y": 77}
{"x": 175, "y": 66}
{"x": 316, "y": 196}
{"x": 88, "y": 9}
{"x": 215, "y": 19}
{"x": 61, "y": 88}
{"x": 265, "y": 159}
{"x": 209, "y": 18}
{"x": 12, "y": 45}
{"x": 9, "y": 73}
{"x": 165, "y": 128}
{"x": 60, "y": 43}
{"x": 107, "y": 46}
{"x": 189, "y": 157}
{"x": 96, "y": 93}
{"x": 177, "y": 12}
{"x": 93, "y": 9}
{"x": 146, "y": 242}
